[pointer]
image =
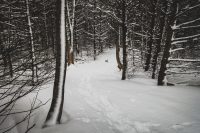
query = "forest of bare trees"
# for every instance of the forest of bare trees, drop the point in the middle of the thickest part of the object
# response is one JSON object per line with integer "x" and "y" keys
{"x": 40, "y": 38}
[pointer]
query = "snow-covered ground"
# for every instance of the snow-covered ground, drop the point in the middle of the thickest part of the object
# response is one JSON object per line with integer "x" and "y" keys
{"x": 97, "y": 101}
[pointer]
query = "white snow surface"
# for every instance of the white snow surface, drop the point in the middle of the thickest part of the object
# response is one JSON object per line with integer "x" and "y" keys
{"x": 98, "y": 101}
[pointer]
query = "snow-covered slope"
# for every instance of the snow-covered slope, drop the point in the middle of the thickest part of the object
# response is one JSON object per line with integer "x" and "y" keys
{"x": 97, "y": 101}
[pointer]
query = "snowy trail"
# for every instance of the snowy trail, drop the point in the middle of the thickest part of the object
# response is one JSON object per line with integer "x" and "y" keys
{"x": 97, "y": 101}
{"x": 88, "y": 89}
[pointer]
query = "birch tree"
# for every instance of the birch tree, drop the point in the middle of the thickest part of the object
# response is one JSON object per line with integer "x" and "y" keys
{"x": 32, "y": 50}
{"x": 71, "y": 23}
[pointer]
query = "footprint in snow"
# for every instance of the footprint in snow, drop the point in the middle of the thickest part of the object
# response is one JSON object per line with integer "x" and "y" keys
{"x": 182, "y": 125}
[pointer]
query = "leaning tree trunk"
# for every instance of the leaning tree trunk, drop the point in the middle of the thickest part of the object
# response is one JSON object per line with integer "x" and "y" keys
{"x": 169, "y": 33}
{"x": 124, "y": 32}
{"x": 55, "y": 112}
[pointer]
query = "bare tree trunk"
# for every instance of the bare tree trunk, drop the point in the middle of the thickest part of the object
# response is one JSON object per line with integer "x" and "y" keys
{"x": 45, "y": 25}
{"x": 2, "y": 51}
{"x": 94, "y": 31}
{"x": 142, "y": 43}
{"x": 100, "y": 30}
{"x": 46, "y": 30}
{"x": 124, "y": 34}
{"x": 150, "y": 41}
{"x": 75, "y": 39}
{"x": 9, "y": 47}
{"x": 55, "y": 112}
{"x": 161, "y": 14}
{"x": 52, "y": 35}
{"x": 10, "y": 64}
{"x": 132, "y": 36}
{"x": 71, "y": 22}
{"x": 32, "y": 52}
{"x": 169, "y": 33}
{"x": 119, "y": 64}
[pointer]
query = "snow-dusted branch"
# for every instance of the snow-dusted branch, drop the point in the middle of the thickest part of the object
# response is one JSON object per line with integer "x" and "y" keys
{"x": 7, "y": 24}
{"x": 111, "y": 27}
{"x": 184, "y": 60}
{"x": 178, "y": 42}
{"x": 188, "y": 9}
{"x": 185, "y": 38}
{"x": 186, "y": 23}
{"x": 186, "y": 27}
{"x": 174, "y": 50}
{"x": 110, "y": 13}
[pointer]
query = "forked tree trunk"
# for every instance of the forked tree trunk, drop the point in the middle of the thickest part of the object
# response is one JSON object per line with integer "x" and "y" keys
{"x": 169, "y": 33}
{"x": 55, "y": 112}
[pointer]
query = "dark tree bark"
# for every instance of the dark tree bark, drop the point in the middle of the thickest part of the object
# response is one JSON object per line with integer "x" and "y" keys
{"x": 2, "y": 52}
{"x": 161, "y": 14}
{"x": 8, "y": 50}
{"x": 10, "y": 64}
{"x": 169, "y": 33}
{"x": 52, "y": 34}
{"x": 124, "y": 33}
{"x": 94, "y": 30}
{"x": 119, "y": 64}
{"x": 100, "y": 30}
{"x": 55, "y": 112}
{"x": 151, "y": 32}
